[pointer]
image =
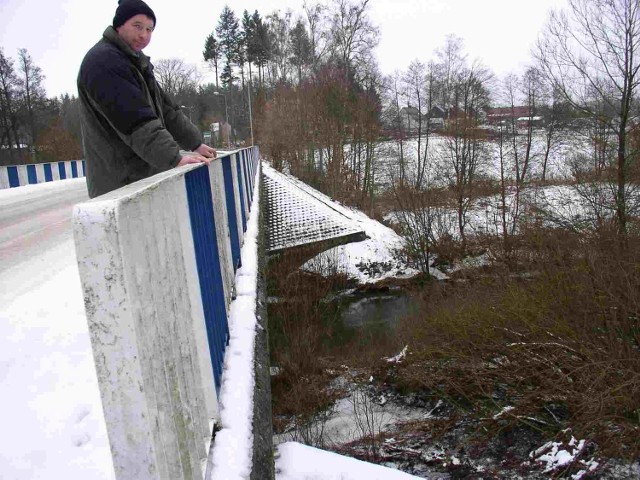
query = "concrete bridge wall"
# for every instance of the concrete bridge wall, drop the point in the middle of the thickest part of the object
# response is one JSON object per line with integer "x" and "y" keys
{"x": 157, "y": 262}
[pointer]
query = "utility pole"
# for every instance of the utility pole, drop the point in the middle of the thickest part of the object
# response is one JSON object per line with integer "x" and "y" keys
{"x": 250, "y": 117}
{"x": 226, "y": 117}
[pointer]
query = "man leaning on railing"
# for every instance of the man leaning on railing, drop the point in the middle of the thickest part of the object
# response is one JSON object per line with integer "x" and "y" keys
{"x": 130, "y": 128}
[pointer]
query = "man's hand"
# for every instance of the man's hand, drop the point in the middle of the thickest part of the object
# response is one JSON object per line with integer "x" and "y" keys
{"x": 206, "y": 151}
{"x": 187, "y": 159}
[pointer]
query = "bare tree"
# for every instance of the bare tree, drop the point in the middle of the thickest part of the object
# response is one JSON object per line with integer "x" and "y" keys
{"x": 300, "y": 48}
{"x": 280, "y": 29}
{"x": 413, "y": 81}
{"x": 531, "y": 91}
{"x": 34, "y": 94}
{"x": 315, "y": 14}
{"x": 464, "y": 147}
{"x": 451, "y": 61}
{"x": 421, "y": 91}
{"x": 353, "y": 35}
{"x": 10, "y": 91}
{"x": 591, "y": 55}
{"x": 365, "y": 135}
{"x": 369, "y": 418}
{"x": 502, "y": 156}
{"x": 57, "y": 143}
{"x": 422, "y": 219}
{"x": 176, "y": 77}
{"x": 393, "y": 88}
{"x": 521, "y": 95}
{"x": 555, "y": 115}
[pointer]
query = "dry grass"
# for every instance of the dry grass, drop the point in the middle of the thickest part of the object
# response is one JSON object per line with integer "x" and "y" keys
{"x": 561, "y": 344}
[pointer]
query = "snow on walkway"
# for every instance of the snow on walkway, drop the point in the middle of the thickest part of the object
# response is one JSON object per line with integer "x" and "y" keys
{"x": 53, "y": 426}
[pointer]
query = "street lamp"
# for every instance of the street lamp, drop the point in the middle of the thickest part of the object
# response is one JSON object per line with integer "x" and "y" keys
{"x": 226, "y": 116}
{"x": 250, "y": 117}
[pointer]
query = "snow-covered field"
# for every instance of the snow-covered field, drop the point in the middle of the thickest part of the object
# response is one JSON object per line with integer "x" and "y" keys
{"x": 554, "y": 205}
{"x": 565, "y": 147}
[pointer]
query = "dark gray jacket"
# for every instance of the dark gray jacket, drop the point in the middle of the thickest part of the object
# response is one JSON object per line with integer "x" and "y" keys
{"x": 130, "y": 128}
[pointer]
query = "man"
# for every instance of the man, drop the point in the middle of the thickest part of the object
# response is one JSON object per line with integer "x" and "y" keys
{"x": 130, "y": 128}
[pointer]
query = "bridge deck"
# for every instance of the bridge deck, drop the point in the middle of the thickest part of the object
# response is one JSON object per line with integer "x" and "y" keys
{"x": 298, "y": 215}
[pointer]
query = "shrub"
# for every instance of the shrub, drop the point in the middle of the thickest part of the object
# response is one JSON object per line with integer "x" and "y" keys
{"x": 560, "y": 344}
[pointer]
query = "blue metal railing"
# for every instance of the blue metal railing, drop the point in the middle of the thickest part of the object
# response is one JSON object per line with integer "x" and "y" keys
{"x": 203, "y": 229}
{"x": 33, "y": 173}
{"x": 230, "y": 196}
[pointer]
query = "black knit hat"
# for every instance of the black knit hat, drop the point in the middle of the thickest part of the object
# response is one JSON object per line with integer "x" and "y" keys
{"x": 130, "y": 8}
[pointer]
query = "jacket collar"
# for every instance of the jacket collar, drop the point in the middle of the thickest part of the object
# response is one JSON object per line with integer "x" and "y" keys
{"x": 138, "y": 58}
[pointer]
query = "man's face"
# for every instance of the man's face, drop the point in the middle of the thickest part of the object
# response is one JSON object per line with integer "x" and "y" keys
{"x": 136, "y": 32}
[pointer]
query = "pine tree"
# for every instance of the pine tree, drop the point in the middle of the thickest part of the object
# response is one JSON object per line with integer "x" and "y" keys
{"x": 300, "y": 46}
{"x": 279, "y": 31}
{"x": 228, "y": 31}
{"x": 260, "y": 45}
{"x": 211, "y": 54}
{"x": 241, "y": 54}
{"x": 249, "y": 37}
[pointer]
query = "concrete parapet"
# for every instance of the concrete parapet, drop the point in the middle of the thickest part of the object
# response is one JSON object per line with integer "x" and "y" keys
{"x": 157, "y": 262}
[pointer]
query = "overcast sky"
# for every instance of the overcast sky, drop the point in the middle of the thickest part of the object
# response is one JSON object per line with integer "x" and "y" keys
{"x": 57, "y": 33}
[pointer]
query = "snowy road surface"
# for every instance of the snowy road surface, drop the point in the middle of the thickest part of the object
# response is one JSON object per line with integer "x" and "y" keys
{"x": 36, "y": 218}
{"x": 51, "y": 413}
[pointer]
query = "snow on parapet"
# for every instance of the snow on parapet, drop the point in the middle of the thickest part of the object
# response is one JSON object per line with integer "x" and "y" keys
{"x": 300, "y": 215}
{"x": 373, "y": 250}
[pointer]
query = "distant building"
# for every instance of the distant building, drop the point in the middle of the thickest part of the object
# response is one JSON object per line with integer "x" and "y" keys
{"x": 505, "y": 115}
{"x": 434, "y": 118}
{"x": 437, "y": 116}
{"x": 220, "y": 134}
{"x": 409, "y": 117}
{"x": 524, "y": 122}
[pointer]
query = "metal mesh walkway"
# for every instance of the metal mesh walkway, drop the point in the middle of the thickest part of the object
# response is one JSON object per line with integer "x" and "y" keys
{"x": 299, "y": 215}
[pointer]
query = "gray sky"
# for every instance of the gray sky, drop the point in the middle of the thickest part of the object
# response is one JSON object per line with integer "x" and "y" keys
{"x": 57, "y": 33}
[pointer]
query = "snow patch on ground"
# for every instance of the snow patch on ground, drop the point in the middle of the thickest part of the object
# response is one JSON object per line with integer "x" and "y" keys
{"x": 369, "y": 261}
{"x": 554, "y": 455}
{"x": 295, "y": 461}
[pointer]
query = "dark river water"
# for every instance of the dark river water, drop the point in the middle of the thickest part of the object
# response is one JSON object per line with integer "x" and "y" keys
{"x": 365, "y": 309}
